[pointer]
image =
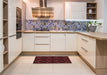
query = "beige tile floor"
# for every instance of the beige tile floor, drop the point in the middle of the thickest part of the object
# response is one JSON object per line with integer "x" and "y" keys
{"x": 24, "y": 66}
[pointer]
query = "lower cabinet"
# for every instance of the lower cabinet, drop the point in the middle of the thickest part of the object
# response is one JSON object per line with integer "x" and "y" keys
{"x": 1, "y": 55}
{"x": 19, "y": 45}
{"x": 87, "y": 49}
{"x": 49, "y": 42}
{"x": 12, "y": 48}
{"x": 28, "y": 42}
{"x": 71, "y": 42}
{"x": 58, "y": 41}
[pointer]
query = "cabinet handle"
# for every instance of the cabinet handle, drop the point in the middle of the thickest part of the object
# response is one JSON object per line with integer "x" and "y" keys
{"x": 12, "y": 35}
{"x": 85, "y": 40}
{"x": 42, "y": 44}
{"x": 42, "y": 36}
{"x": 84, "y": 49}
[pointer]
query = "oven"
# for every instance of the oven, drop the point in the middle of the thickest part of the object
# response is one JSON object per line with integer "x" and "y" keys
{"x": 18, "y": 23}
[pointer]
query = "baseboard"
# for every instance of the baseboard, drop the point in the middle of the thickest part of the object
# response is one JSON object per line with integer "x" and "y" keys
{"x": 10, "y": 63}
{"x": 91, "y": 67}
{"x": 101, "y": 71}
{"x": 49, "y": 53}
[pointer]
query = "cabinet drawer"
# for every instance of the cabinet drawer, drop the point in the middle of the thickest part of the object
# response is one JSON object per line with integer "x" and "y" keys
{"x": 87, "y": 48}
{"x": 42, "y": 34}
{"x": 84, "y": 39}
{"x": 42, "y": 40}
{"x": 84, "y": 51}
{"x": 42, "y": 47}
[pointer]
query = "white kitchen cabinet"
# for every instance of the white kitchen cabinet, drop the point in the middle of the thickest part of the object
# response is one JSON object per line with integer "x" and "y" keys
{"x": 1, "y": 61}
{"x": 19, "y": 45}
{"x": 12, "y": 17}
{"x": 42, "y": 47}
{"x": 75, "y": 10}
{"x": 92, "y": 52}
{"x": 71, "y": 42}
{"x": 28, "y": 42}
{"x": 58, "y": 41}
{"x": 1, "y": 55}
{"x": 12, "y": 48}
{"x": 1, "y": 16}
{"x": 87, "y": 48}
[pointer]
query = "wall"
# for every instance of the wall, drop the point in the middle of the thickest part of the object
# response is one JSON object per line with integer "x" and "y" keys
{"x": 19, "y": 3}
{"x": 57, "y": 4}
{"x": 29, "y": 5}
{"x": 48, "y": 25}
{"x": 105, "y": 16}
{"x": 23, "y": 15}
{"x": 58, "y": 8}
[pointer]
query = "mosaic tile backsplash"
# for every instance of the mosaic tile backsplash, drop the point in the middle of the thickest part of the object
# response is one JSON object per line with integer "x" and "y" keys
{"x": 48, "y": 25}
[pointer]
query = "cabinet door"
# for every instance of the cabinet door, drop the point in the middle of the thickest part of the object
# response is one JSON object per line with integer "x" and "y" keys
{"x": 1, "y": 10}
{"x": 92, "y": 52}
{"x": 28, "y": 42}
{"x": 75, "y": 10}
{"x": 87, "y": 48}
{"x": 58, "y": 42}
{"x": 1, "y": 55}
{"x": 12, "y": 48}
{"x": 71, "y": 42}
{"x": 19, "y": 45}
{"x": 12, "y": 17}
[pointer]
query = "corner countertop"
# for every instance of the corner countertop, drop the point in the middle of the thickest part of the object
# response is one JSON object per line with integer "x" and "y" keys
{"x": 96, "y": 35}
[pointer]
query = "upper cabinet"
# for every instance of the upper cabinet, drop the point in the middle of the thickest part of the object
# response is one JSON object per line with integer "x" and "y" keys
{"x": 91, "y": 10}
{"x": 75, "y": 10}
{"x": 12, "y": 17}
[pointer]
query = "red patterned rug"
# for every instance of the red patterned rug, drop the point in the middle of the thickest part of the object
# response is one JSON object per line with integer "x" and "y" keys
{"x": 51, "y": 59}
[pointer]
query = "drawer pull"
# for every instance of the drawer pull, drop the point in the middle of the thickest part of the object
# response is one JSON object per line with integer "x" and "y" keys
{"x": 84, "y": 49}
{"x": 84, "y": 40}
{"x": 42, "y": 36}
{"x": 42, "y": 44}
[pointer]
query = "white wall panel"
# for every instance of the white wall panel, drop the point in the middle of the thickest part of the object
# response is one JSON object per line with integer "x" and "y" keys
{"x": 1, "y": 25}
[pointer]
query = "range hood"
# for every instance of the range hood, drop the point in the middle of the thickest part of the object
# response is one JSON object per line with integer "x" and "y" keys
{"x": 43, "y": 11}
